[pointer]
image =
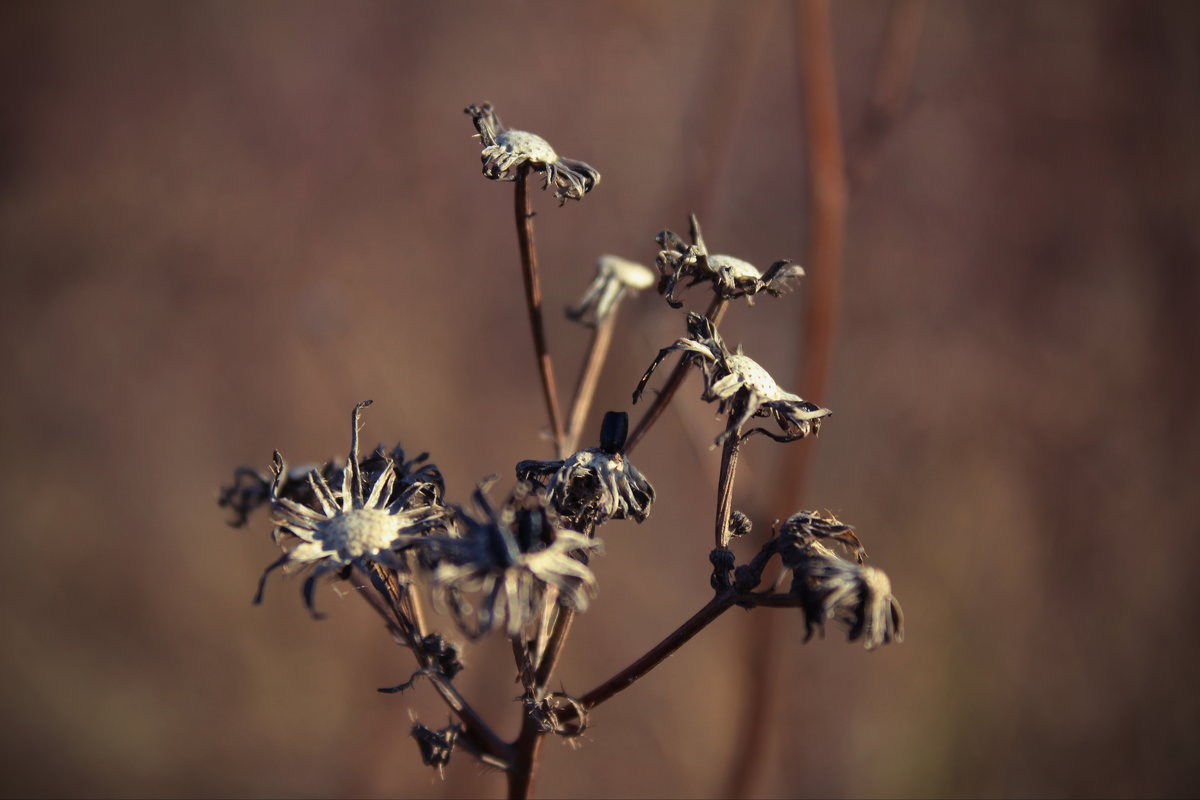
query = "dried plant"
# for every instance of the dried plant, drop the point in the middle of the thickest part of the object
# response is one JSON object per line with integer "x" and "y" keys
{"x": 519, "y": 567}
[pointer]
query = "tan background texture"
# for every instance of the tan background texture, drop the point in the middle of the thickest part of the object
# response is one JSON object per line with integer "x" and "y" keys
{"x": 222, "y": 224}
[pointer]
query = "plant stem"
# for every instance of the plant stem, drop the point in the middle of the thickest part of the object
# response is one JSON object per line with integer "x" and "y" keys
{"x": 558, "y": 638}
{"x": 589, "y": 376}
{"x": 729, "y": 459}
{"x": 715, "y": 312}
{"x": 528, "y": 744}
{"x": 525, "y": 759}
{"x": 533, "y": 300}
{"x": 477, "y": 731}
{"x": 527, "y": 748}
{"x": 661, "y": 651}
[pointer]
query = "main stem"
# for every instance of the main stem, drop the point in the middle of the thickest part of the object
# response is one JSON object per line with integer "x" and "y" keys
{"x": 533, "y": 300}
{"x": 475, "y": 728}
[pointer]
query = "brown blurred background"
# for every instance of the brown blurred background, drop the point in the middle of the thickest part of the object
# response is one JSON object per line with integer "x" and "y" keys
{"x": 222, "y": 224}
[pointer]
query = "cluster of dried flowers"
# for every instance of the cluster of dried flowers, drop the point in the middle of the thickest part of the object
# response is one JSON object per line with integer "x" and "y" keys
{"x": 519, "y": 565}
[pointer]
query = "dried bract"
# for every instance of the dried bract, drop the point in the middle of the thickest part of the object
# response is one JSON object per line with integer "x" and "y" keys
{"x": 735, "y": 380}
{"x": 810, "y": 526}
{"x": 857, "y": 596}
{"x": 731, "y": 277}
{"x": 507, "y": 559}
{"x": 506, "y": 151}
{"x": 251, "y": 489}
{"x": 436, "y": 746}
{"x": 615, "y": 278}
{"x": 372, "y": 517}
{"x": 595, "y": 485}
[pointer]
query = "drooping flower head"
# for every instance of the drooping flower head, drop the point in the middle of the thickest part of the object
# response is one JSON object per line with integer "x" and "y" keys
{"x": 594, "y": 485}
{"x": 615, "y": 278}
{"x": 498, "y": 570}
{"x": 731, "y": 277}
{"x": 734, "y": 380}
{"x": 373, "y": 516}
{"x": 833, "y": 588}
{"x": 506, "y": 151}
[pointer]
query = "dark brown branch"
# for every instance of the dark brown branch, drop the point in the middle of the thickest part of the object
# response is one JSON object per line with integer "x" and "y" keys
{"x": 533, "y": 300}
{"x": 528, "y": 745}
{"x": 660, "y": 652}
{"x": 525, "y": 759}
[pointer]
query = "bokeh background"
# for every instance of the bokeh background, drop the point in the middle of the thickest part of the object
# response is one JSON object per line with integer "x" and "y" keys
{"x": 223, "y": 224}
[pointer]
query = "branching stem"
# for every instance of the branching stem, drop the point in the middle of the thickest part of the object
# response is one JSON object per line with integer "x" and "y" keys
{"x": 661, "y": 651}
{"x": 715, "y": 312}
{"x": 478, "y": 732}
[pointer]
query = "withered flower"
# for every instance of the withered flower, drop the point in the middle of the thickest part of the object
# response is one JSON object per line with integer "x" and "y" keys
{"x": 371, "y": 518}
{"x": 831, "y": 587}
{"x": 615, "y": 277}
{"x": 811, "y": 526}
{"x": 735, "y": 380}
{"x": 595, "y": 485}
{"x": 436, "y": 746}
{"x": 506, "y": 151}
{"x": 508, "y": 559}
{"x": 731, "y": 277}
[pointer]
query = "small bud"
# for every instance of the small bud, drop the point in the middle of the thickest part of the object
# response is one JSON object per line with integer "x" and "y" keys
{"x": 739, "y": 524}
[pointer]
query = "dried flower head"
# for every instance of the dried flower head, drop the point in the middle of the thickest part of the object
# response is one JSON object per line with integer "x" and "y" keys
{"x": 436, "y": 746}
{"x": 594, "y": 485}
{"x": 735, "y": 380}
{"x": 811, "y": 526}
{"x": 856, "y": 596}
{"x": 371, "y": 518}
{"x": 615, "y": 278}
{"x": 731, "y": 277}
{"x": 508, "y": 559}
{"x": 506, "y": 151}
{"x": 831, "y": 587}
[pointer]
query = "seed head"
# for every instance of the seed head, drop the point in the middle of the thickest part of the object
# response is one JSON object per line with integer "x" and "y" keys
{"x": 506, "y": 151}
{"x": 616, "y": 277}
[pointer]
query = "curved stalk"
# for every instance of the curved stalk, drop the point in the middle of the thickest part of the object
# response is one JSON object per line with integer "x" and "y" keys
{"x": 533, "y": 301}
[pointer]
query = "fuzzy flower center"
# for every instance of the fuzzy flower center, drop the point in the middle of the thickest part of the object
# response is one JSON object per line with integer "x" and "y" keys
{"x": 358, "y": 532}
{"x": 533, "y": 146}
{"x": 753, "y": 376}
{"x": 736, "y": 266}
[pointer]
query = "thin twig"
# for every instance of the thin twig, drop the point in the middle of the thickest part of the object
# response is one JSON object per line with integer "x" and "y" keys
{"x": 589, "y": 377}
{"x": 533, "y": 300}
{"x": 729, "y": 460}
{"x": 480, "y": 734}
{"x": 528, "y": 744}
{"x": 660, "y": 652}
{"x": 558, "y": 638}
{"x": 715, "y": 312}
